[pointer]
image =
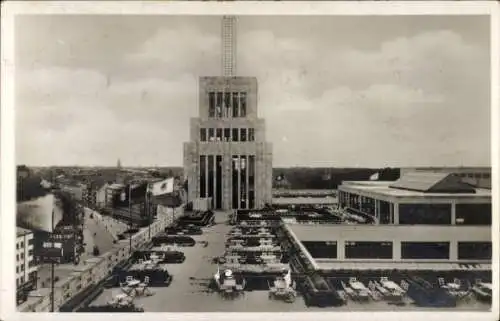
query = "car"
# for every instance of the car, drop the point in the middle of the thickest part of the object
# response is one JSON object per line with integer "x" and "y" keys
{"x": 164, "y": 256}
{"x": 181, "y": 240}
{"x": 184, "y": 230}
{"x": 198, "y": 219}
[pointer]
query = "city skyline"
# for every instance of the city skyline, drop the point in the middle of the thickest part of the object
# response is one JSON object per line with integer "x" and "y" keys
{"x": 412, "y": 91}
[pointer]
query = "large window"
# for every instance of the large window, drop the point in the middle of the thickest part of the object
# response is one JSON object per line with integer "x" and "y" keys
{"x": 236, "y": 134}
{"x": 321, "y": 250}
{"x": 251, "y": 134}
{"x": 436, "y": 214}
{"x": 368, "y": 250}
{"x": 385, "y": 212}
{"x": 227, "y": 134}
{"x": 235, "y": 105}
{"x": 219, "y": 134}
{"x": 243, "y": 182}
{"x": 474, "y": 250}
{"x": 243, "y": 104}
{"x": 342, "y": 199}
{"x": 251, "y": 181}
{"x": 425, "y": 250}
{"x": 368, "y": 205}
{"x": 218, "y": 105}
{"x": 218, "y": 186}
{"x": 211, "y": 104}
{"x": 203, "y": 134}
{"x": 354, "y": 201}
{"x": 473, "y": 214}
{"x": 211, "y": 177}
{"x": 227, "y": 104}
{"x": 235, "y": 179}
{"x": 211, "y": 134}
{"x": 243, "y": 134}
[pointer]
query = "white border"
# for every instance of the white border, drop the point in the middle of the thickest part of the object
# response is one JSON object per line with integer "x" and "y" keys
{"x": 7, "y": 164}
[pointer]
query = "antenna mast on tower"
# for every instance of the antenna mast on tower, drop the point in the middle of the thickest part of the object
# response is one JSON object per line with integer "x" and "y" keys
{"x": 228, "y": 46}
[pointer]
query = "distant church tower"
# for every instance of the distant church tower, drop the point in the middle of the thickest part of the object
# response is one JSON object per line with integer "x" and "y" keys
{"x": 228, "y": 158}
{"x": 119, "y": 164}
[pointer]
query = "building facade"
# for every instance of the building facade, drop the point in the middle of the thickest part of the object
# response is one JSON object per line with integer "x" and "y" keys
{"x": 111, "y": 191}
{"x": 100, "y": 195}
{"x": 433, "y": 220}
{"x": 26, "y": 269}
{"x": 78, "y": 191}
{"x": 228, "y": 158}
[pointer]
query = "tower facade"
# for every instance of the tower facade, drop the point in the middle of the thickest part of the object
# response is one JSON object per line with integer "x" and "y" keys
{"x": 228, "y": 158}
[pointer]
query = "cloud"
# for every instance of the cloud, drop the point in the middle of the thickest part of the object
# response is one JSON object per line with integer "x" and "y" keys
{"x": 89, "y": 118}
{"x": 185, "y": 49}
{"x": 415, "y": 100}
{"x": 412, "y": 92}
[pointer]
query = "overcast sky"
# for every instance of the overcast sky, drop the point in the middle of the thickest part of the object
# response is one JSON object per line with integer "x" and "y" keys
{"x": 334, "y": 91}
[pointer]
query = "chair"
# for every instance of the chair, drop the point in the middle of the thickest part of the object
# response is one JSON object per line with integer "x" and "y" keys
{"x": 146, "y": 282}
{"x": 405, "y": 285}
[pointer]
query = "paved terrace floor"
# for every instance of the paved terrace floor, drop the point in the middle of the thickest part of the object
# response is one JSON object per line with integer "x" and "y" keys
{"x": 188, "y": 291}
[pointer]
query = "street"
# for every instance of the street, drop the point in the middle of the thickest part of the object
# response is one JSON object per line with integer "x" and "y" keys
{"x": 94, "y": 233}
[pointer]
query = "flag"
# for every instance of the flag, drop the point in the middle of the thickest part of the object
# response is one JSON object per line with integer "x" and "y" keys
{"x": 374, "y": 177}
{"x": 163, "y": 187}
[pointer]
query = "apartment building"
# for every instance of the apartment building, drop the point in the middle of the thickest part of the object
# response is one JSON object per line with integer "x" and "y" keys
{"x": 26, "y": 269}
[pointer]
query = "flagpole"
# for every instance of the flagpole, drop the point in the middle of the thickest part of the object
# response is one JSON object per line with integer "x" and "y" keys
{"x": 130, "y": 213}
{"x": 52, "y": 269}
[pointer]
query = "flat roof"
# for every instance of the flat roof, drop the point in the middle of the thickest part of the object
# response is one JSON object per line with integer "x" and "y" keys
{"x": 387, "y": 233}
{"x": 323, "y": 264}
{"x": 304, "y": 200}
{"x": 383, "y": 189}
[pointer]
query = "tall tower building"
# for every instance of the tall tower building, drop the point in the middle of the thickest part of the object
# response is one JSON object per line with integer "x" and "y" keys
{"x": 228, "y": 158}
